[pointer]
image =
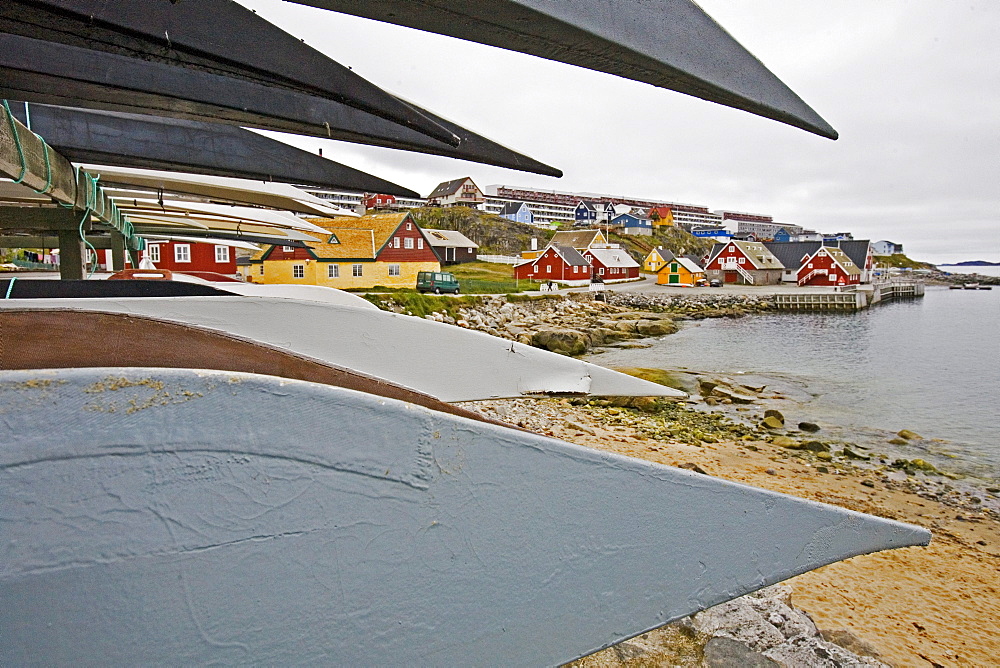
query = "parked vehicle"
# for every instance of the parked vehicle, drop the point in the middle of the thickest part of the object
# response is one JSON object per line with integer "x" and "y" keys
{"x": 715, "y": 283}
{"x": 437, "y": 282}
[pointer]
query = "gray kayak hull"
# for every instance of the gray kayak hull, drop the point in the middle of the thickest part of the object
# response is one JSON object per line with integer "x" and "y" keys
{"x": 182, "y": 516}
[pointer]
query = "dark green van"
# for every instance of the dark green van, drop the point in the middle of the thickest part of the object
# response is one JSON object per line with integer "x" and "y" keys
{"x": 436, "y": 282}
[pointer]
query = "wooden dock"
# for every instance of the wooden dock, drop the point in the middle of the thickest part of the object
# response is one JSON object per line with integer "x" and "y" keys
{"x": 854, "y": 298}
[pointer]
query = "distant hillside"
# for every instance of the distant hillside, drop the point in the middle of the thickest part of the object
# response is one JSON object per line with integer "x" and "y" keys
{"x": 495, "y": 235}
{"x": 903, "y": 262}
{"x": 971, "y": 263}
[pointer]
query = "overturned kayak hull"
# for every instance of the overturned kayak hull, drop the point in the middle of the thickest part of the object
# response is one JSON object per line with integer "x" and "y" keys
{"x": 181, "y": 516}
{"x": 408, "y": 351}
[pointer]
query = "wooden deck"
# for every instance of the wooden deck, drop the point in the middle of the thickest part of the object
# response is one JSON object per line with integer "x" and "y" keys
{"x": 853, "y": 299}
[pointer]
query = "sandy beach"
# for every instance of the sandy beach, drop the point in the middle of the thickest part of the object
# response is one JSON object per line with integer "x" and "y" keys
{"x": 921, "y": 606}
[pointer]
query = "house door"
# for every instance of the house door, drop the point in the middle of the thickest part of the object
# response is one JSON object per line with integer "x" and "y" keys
{"x": 730, "y": 277}
{"x": 675, "y": 278}
{"x": 449, "y": 254}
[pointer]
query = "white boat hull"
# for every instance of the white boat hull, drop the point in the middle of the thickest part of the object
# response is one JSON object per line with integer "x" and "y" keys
{"x": 444, "y": 361}
{"x": 189, "y": 517}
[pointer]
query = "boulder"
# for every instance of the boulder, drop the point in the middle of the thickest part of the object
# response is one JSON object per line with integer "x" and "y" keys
{"x": 810, "y": 427}
{"x": 646, "y": 404}
{"x": 563, "y": 341}
{"x": 909, "y": 435}
{"x": 724, "y": 652}
{"x": 850, "y": 454}
{"x": 655, "y": 327}
{"x": 770, "y": 412}
{"x": 771, "y": 422}
{"x": 786, "y": 442}
{"x": 706, "y": 387}
{"x": 809, "y": 652}
{"x": 815, "y": 446}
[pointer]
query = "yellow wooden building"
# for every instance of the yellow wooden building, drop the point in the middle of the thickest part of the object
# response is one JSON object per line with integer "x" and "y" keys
{"x": 656, "y": 259}
{"x": 382, "y": 249}
{"x": 680, "y": 271}
{"x": 662, "y": 216}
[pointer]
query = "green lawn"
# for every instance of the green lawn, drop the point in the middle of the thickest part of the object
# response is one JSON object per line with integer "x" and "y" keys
{"x": 488, "y": 278}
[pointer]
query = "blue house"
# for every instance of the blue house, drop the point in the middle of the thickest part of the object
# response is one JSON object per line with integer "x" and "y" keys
{"x": 783, "y": 236}
{"x": 633, "y": 224}
{"x": 585, "y": 213}
{"x": 609, "y": 212}
{"x": 517, "y": 212}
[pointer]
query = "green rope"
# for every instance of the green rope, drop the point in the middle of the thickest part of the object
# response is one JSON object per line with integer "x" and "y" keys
{"x": 10, "y": 286}
{"x": 20, "y": 149}
{"x": 17, "y": 143}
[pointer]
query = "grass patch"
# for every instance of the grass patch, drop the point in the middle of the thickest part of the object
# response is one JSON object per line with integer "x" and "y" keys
{"x": 412, "y": 302}
{"x": 488, "y": 278}
{"x": 658, "y": 376}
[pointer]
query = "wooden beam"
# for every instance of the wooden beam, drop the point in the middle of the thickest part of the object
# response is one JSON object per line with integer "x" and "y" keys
{"x": 117, "y": 242}
{"x": 36, "y": 218}
{"x": 71, "y": 266}
{"x": 26, "y": 158}
{"x": 98, "y": 241}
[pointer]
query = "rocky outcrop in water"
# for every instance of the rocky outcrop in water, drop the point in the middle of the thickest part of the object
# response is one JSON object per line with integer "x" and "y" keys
{"x": 695, "y": 306}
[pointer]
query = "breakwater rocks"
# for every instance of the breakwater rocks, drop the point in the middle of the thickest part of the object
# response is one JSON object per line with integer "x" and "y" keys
{"x": 695, "y": 306}
{"x": 566, "y": 325}
{"x": 762, "y": 629}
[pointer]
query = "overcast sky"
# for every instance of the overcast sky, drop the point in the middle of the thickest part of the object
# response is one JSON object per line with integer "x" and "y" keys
{"x": 913, "y": 87}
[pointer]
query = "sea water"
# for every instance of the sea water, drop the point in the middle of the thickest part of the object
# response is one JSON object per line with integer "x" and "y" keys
{"x": 930, "y": 365}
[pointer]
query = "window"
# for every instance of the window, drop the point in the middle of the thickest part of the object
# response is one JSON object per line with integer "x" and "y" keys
{"x": 182, "y": 253}
{"x": 420, "y": 244}
{"x": 356, "y": 270}
{"x": 409, "y": 226}
{"x": 548, "y": 269}
{"x": 395, "y": 242}
{"x": 288, "y": 249}
{"x": 741, "y": 260}
{"x": 575, "y": 269}
{"x": 333, "y": 239}
{"x": 408, "y": 243}
{"x": 153, "y": 253}
{"x": 222, "y": 253}
{"x": 298, "y": 271}
{"x": 601, "y": 271}
{"x": 333, "y": 271}
{"x": 394, "y": 270}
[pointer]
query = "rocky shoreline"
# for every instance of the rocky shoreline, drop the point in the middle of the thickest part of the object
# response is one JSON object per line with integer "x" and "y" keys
{"x": 576, "y": 323}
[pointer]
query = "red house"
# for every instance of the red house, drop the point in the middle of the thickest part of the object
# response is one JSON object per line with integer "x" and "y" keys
{"x": 191, "y": 257}
{"x": 556, "y": 263}
{"x": 612, "y": 264}
{"x": 745, "y": 262}
{"x": 829, "y": 266}
{"x": 377, "y": 201}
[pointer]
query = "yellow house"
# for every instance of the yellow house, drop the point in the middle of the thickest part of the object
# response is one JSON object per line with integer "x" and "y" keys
{"x": 662, "y": 216}
{"x": 680, "y": 271}
{"x": 656, "y": 259}
{"x": 382, "y": 249}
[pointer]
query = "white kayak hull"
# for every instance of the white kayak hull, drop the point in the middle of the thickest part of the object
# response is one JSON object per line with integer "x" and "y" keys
{"x": 447, "y": 362}
{"x": 190, "y": 517}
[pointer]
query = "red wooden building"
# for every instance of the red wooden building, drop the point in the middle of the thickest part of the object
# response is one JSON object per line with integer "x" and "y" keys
{"x": 192, "y": 257}
{"x": 556, "y": 263}
{"x": 829, "y": 266}
{"x": 746, "y": 262}
{"x": 377, "y": 201}
{"x": 612, "y": 264}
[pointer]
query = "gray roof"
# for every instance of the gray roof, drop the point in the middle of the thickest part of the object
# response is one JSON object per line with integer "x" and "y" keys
{"x": 790, "y": 253}
{"x": 613, "y": 257}
{"x": 511, "y": 208}
{"x": 448, "y": 187}
{"x": 571, "y": 256}
{"x": 448, "y": 239}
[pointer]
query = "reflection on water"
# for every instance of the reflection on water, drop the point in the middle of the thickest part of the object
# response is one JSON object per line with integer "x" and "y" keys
{"x": 931, "y": 365}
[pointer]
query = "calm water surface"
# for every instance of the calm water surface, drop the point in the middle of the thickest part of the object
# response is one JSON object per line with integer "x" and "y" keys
{"x": 930, "y": 365}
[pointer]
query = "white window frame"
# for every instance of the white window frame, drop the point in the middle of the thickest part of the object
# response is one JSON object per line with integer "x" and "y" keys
{"x": 420, "y": 243}
{"x": 288, "y": 249}
{"x": 182, "y": 253}
{"x": 153, "y": 252}
{"x": 298, "y": 271}
{"x": 221, "y": 254}
{"x": 395, "y": 242}
{"x": 333, "y": 271}
{"x": 357, "y": 270}
{"x": 408, "y": 243}
{"x": 394, "y": 270}
{"x": 409, "y": 226}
